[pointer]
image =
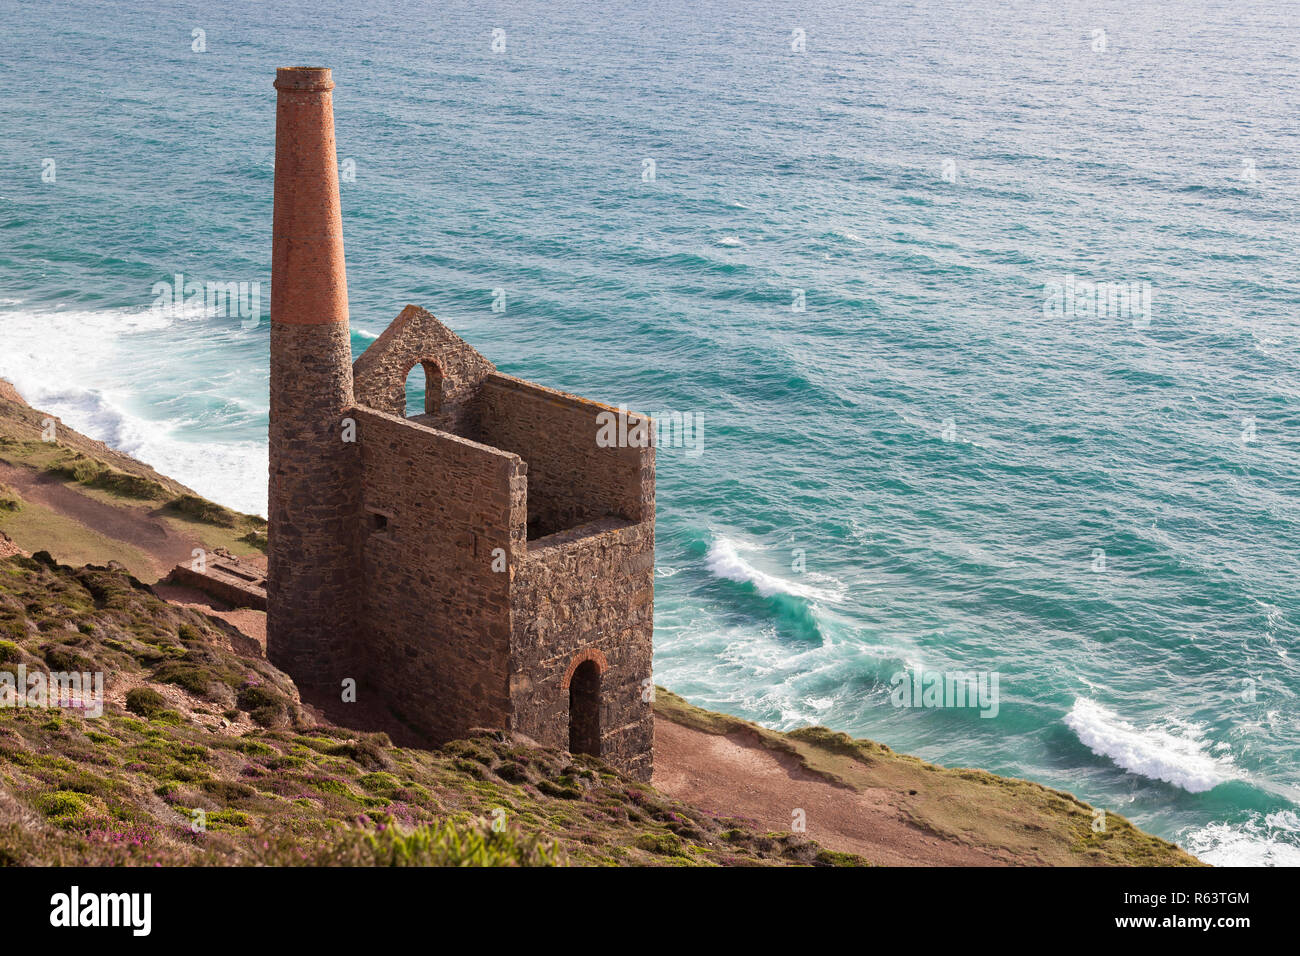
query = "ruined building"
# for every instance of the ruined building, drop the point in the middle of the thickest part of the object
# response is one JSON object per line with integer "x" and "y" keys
{"x": 483, "y": 564}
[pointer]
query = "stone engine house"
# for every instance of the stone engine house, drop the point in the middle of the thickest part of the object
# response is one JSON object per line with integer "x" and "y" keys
{"x": 484, "y": 563}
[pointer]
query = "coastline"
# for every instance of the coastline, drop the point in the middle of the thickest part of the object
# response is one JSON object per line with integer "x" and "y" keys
{"x": 856, "y": 797}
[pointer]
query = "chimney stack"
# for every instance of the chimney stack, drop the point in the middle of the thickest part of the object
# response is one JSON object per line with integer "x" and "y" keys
{"x": 314, "y": 494}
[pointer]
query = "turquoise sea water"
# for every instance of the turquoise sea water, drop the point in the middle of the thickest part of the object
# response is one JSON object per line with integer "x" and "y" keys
{"x": 917, "y": 471}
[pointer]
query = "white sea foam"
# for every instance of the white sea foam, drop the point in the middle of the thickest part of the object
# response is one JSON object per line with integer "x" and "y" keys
{"x": 725, "y": 561}
{"x": 730, "y": 241}
{"x": 1263, "y": 840}
{"x": 1177, "y": 754}
{"x": 86, "y": 368}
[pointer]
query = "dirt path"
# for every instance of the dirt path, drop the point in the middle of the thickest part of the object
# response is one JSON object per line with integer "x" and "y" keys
{"x": 132, "y": 525}
{"x": 248, "y": 622}
{"x": 732, "y": 776}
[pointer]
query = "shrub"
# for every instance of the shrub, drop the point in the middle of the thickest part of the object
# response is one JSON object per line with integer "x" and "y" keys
{"x": 254, "y": 748}
{"x": 440, "y": 844}
{"x": 191, "y": 677}
{"x": 665, "y": 844}
{"x": 835, "y": 858}
{"x": 384, "y": 784}
{"x": 206, "y": 511}
{"x": 63, "y": 808}
{"x": 144, "y": 701}
{"x": 66, "y": 659}
{"x": 9, "y": 500}
{"x": 263, "y": 704}
{"x": 227, "y": 820}
{"x": 77, "y": 468}
{"x": 128, "y": 486}
{"x": 229, "y": 791}
{"x": 10, "y": 653}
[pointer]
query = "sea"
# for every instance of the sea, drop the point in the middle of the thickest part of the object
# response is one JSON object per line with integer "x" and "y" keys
{"x": 980, "y": 318}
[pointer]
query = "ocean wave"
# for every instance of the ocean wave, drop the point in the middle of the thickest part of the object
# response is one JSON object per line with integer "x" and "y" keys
{"x": 794, "y": 606}
{"x": 1177, "y": 755}
{"x": 87, "y": 367}
{"x": 230, "y": 473}
{"x": 1263, "y": 840}
{"x": 724, "y": 561}
{"x": 847, "y": 234}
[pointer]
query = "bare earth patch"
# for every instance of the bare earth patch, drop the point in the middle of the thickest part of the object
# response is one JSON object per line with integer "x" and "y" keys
{"x": 134, "y": 526}
{"x": 731, "y": 775}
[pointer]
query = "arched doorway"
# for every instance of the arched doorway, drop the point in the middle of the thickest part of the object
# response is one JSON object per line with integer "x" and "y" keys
{"x": 423, "y": 389}
{"x": 584, "y": 709}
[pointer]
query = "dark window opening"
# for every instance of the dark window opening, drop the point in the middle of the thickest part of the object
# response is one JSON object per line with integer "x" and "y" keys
{"x": 377, "y": 522}
{"x": 584, "y": 710}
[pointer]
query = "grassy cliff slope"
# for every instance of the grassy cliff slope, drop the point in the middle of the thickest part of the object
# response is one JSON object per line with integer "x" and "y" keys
{"x": 85, "y": 502}
{"x": 196, "y": 720}
{"x": 206, "y": 755}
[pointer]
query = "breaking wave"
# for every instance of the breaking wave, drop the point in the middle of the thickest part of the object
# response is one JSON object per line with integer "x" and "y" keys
{"x": 1264, "y": 840}
{"x": 89, "y": 368}
{"x": 793, "y": 604}
{"x": 1178, "y": 755}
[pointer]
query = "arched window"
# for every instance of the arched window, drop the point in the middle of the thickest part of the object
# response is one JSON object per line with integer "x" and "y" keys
{"x": 584, "y": 709}
{"x": 423, "y": 389}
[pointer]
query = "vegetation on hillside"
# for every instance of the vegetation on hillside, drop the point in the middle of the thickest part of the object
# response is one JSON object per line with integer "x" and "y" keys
{"x": 128, "y": 485}
{"x": 205, "y": 755}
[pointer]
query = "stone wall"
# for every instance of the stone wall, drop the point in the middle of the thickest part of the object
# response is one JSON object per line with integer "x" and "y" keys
{"x": 435, "y": 636}
{"x": 587, "y": 594}
{"x": 226, "y": 578}
{"x": 312, "y": 505}
{"x": 571, "y": 480}
{"x": 414, "y": 337}
{"x": 462, "y": 621}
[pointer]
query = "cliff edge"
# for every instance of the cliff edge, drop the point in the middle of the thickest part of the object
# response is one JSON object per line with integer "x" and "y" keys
{"x": 206, "y": 753}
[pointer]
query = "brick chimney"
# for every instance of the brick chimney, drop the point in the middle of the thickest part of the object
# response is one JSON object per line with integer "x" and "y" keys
{"x": 314, "y": 490}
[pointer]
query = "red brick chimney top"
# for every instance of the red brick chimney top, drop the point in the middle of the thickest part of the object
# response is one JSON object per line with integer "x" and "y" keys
{"x": 306, "y": 79}
{"x": 309, "y": 283}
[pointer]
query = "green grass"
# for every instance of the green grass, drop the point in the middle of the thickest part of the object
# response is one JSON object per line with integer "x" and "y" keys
{"x": 37, "y": 528}
{"x": 144, "y": 701}
{"x": 200, "y": 509}
{"x": 213, "y": 525}
{"x": 447, "y": 843}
